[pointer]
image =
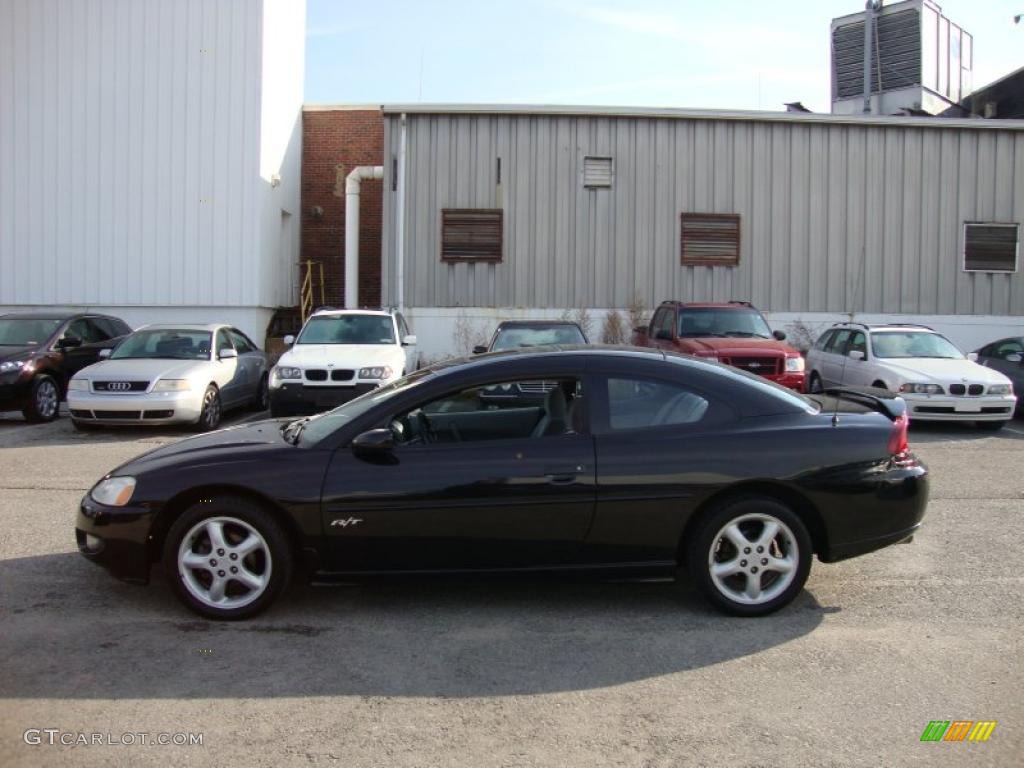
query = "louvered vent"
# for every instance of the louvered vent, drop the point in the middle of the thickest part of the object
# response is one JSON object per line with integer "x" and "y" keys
{"x": 597, "y": 172}
{"x": 710, "y": 239}
{"x": 990, "y": 247}
{"x": 471, "y": 234}
{"x": 898, "y": 54}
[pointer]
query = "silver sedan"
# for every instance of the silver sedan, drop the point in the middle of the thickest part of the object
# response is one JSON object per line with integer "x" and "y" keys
{"x": 171, "y": 374}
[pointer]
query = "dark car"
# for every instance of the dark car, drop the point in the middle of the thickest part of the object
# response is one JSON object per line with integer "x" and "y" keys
{"x": 1007, "y": 357}
{"x": 638, "y": 461}
{"x": 41, "y": 351}
{"x": 515, "y": 334}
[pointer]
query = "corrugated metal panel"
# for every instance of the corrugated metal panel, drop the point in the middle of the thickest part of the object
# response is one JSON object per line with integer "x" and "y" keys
{"x": 835, "y": 216}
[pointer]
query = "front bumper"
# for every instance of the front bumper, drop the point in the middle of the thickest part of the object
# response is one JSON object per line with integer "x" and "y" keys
{"x": 146, "y": 408}
{"x": 951, "y": 408}
{"x": 796, "y": 380}
{"x": 298, "y": 399}
{"x": 115, "y": 538}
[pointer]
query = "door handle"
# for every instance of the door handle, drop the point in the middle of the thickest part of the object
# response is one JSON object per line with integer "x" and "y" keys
{"x": 563, "y": 475}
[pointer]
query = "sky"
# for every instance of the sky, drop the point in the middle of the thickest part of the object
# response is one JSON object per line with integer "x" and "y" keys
{"x": 717, "y": 54}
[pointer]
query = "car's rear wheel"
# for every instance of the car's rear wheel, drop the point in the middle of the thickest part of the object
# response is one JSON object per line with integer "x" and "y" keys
{"x": 814, "y": 386}
{"x": 209, "y": 417}
{"x": 990, "y": 426}
{"x": 750, "y": 556}
{"x": 227, "y": 558}
{"x": 262, "y": 400}
{"x": 43, "y": 400}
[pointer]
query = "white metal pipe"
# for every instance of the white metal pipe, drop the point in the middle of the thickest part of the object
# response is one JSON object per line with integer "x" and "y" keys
{"x": 400, "y": 224}
{"x": 352, "y": 184}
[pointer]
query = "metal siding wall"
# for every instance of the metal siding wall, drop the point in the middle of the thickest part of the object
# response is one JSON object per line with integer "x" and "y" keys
{"x": 834, "y": 218}
{"x": 113, "y": 126}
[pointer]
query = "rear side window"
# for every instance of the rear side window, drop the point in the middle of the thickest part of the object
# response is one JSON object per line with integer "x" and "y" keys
{"x": 639, "y": 403}
{"x": 838, "y": 342}
{"x": 823, "y": 340}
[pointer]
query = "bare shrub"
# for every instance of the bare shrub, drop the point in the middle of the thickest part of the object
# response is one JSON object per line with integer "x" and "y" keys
{"x": 639, "y": 317}
{"x": 802, "y": 334}
{"x": 614, "y": 330}
{"x": 583, "y": 319}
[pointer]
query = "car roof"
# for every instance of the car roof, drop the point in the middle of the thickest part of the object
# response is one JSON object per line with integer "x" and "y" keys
{"x": 183, "y": 327}
{"x": 531, "y": 353}
{"x": 341, "y": 312}
{"x": 872, "y": 327}
{"x": 42, "y": 315}
{"x": 536, "y": 323}
{"x": 710, "y": 304}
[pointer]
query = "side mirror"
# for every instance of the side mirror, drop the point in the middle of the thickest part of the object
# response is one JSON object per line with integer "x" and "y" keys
{"x": 69, "y": 342}
{"x": 105, "y": 353}
{"x": 289, "y": 340}
{"x": 479, "y": 349}
{"x": 972, "y": 356}
{"x": 373, "y": 443}
{"x": 856, "y": 354}
{"x": 228, "y": 354}
{"x": 663, "y": 335}
{"x": 779, "y": 335}
{"x": 409, "y": 340}
{"x": 1014, "y": 358}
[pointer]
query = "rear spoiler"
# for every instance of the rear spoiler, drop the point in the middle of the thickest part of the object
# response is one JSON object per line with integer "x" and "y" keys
{"x": 892, "y": 405}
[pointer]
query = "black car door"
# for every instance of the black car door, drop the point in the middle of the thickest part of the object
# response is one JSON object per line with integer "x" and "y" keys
{"x": 1007, "y": 357}
{"x": 81, "y": 343}
{"x": 479, "y": 478}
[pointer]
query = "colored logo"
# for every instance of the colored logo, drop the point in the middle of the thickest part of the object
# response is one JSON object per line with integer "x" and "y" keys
{"x": 958, "y": 730}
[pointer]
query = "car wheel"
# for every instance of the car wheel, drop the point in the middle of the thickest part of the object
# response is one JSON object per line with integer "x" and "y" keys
{"x": 262, "y": 399}
{"x": 750, "y": 556}
{"x": 227, "y": 558}
{"x": 209, "y": 417}
{"x": 814, "y": 387}
{"x": 43, "y": 400}
{"x": 990, "y": 426}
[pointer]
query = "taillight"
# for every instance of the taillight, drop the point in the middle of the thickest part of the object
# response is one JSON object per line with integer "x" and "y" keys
{"x": 898, "y": 440}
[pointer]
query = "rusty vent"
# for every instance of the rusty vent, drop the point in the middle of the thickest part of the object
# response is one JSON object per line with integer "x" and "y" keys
{"x": 471, "y": 234}
{"x": 597, "y": 172}
{"x": 990, "y": 247}
{"x": 710, "y": 239}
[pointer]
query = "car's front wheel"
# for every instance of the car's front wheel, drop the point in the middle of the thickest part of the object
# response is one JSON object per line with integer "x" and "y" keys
{"x": 750, "y": 556}
{"x": 209, "y": 417}
{"x": 44, "y": 400}
{"x": 227, "y": 558}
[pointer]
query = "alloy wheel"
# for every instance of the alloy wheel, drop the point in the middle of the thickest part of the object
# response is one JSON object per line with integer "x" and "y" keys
{"x": 211, "y": 409}
{"x": 753, "y": 559}
{"x": 47, "y": 399}
{"x": 224, "y": 563}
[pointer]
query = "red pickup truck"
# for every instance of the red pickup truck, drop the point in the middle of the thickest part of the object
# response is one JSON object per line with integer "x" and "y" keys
{"x": 734, "y": 333}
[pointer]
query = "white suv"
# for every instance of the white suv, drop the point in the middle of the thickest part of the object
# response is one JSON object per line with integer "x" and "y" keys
{"x": 338, "y": 355}
{"x": 935, "y": 378}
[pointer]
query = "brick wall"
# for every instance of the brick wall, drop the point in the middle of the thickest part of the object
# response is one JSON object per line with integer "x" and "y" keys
{"x": 333, "y": 143}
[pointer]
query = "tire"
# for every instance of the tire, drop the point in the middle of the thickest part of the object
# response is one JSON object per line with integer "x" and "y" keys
{"x": 814, "y": 384}
{"x": 730, "y": 590}
{"x": 43, "y": 400}
{"x": 990, "y": 426}
{"x": 262, "y": 400}
{"x": 252, "y": 542}
{"x": 213, "y": 410}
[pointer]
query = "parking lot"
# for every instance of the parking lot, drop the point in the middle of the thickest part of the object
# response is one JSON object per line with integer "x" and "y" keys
{"x": 519, "y": 674}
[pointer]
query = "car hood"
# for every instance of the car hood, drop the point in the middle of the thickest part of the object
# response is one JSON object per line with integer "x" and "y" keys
{"x": 929, "y": 370}
{"x": 352, "y": 356}
{"x": 733, "y": 345}
{"x": 143, "y": 368}
{"x": 16, "y": 352}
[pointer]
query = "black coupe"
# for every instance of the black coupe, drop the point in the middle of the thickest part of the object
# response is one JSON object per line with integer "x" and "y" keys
{"x": 635, "y": 463}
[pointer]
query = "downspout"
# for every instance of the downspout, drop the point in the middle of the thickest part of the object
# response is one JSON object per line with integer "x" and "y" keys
{"x": 352, "y": 184}
{"x": 400, "y": 225}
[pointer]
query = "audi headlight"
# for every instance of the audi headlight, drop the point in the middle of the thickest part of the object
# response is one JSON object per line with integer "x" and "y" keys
{"x": 794, "y": 364}
{"x": 78, "y": 385}
{"x": 114, "y": 491}
{"x": 375, "y": 372}
{"x": 915, "y": 388}
{"x": 1000, "y": 389}
{"x": 287, "y": 372}
{"x": 12, "y": 365}
{"x": 172, "y": 385}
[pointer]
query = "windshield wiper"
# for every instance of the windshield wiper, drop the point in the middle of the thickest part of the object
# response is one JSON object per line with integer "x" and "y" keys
{"x": 293, "y": 430}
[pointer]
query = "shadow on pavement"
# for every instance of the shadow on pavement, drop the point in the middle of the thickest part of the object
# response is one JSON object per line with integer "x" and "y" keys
{"x": 70, "y": 631}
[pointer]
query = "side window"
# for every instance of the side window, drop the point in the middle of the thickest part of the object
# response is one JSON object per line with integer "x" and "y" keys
{"x": 859, "y": 343}
{"x": 242, "y": 343}
{"x": 823, "y": 340}
{"x": 223, "y": 340}
{"x": 403, "y": 329}
{"x": 86, "y": 330}
{"x": 635, "y": 403}
{"x": 512, "y": 410}
{"x": 1008, "y": 347}
{"x": 665, "y": 322}
{"x": 837, "y": 345}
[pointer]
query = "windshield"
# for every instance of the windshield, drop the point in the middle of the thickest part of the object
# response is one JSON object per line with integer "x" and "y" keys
{"x": 537, "y": 336}
{"x": 914, "y": 344}
{"x": 170, "y": 344}
{"x": 320, "y": 426}
{"x": 722, "y": 322}
{"x": 26, "y": 331}
{"x": 348, "y": 329}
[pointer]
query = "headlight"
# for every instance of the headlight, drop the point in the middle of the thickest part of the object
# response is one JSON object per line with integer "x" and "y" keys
{"x": 375, "y": 372}
{"x": 286, "y": 372}
{"x": 1000, "y": 389}
{"x": 114, "y": 491}
{"x": 172, "y": 385}
{"x": 78, "y": 385}
{"x": 922, "y": 389}
{"x": 12, "y": 365}
{"x": 794, "y": 364}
